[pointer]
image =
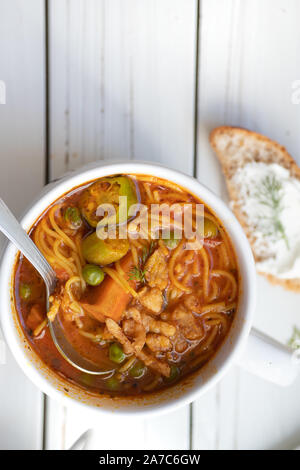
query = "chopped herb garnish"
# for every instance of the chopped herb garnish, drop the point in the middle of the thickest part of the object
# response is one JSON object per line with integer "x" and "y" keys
{"x": 147, "y": 251}
{"x": 269, "y": 193}
{"x": 294, "y": 341}
{"x": 137, "y": 274}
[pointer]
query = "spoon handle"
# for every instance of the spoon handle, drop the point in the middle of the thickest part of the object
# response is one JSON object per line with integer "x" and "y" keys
{"x": 17, "y": 235}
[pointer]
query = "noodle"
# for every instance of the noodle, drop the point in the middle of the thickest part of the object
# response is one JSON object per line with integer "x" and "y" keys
{"x": 175, "y": 255}
{"x": 96, "y": 338}
{"x": 175, "y": 196}
{"x": 195, "y": 267}
{"x": 154, "y": 179}
{"x": 120, "y": 280}
{"x": 79, "y": 250}
{"x": 224, "y": 237}
{"x": 216, "y": 318}
{"x": 156, "y": 196}
{"x": 68, "y": 286}
{"x": 210, "y": 338}
{"x": 127, "y": 364}
{"x": 62, "y": 234}
{"x": 224, "y": 256}
{"x": 40, "y": 328}
{"x": 149, "y": 193}
{"x": 66, "y": 263}
{"x": 175, "y": 293}
{"x": 204, "y": 256}
{"x": 134, "y": 256}
{"x": 218, "y": 307}
{"x": 231, "y": 278}
{"x": 49, "y": 231}
{"x": 214, "y": 290}
{"x": 50, "y": 242}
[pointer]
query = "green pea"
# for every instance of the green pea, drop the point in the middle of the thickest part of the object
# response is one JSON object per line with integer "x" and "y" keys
{"x": 112, "y": 383}
{"x": 209, "y": 228}
{"x": 174, "y": 374}
{"x": 93, "y": 275}
{"x": 171, "y": 242}
{"x": 25, "y": 291}
{"x": 137, "y": 370}
{"x": 87, "y": 379}
{"x": 116, "y": 353}
{"x": 73, "y": 217}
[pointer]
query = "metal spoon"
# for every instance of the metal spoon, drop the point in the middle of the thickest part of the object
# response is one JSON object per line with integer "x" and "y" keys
{"x": 17, "y": 235}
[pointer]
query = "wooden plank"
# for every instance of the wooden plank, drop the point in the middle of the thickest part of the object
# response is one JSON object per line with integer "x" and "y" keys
{"x": 22, "y": 176}
{"x": 165, "y": 432}
{"x": 121, "y": 87}
{"x": 248, "y": 65}
{"x": 112, "y": 64}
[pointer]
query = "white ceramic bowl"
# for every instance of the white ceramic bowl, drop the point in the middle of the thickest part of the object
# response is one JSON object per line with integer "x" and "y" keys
{"x": 189, "y": 388}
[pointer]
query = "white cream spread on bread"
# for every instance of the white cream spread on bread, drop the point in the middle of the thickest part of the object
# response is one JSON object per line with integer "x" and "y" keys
{"x": 269, "y": 199}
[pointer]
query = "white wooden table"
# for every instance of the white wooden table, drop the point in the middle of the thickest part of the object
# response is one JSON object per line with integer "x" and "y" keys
{"x": 147, "y": 79}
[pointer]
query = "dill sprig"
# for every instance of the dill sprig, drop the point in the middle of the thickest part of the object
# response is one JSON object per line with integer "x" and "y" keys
{"x": 269, "y": 193}
{"x": 147, "y": 251}
{"x": 138, "y": 273}
{"x": 294, "y": 341}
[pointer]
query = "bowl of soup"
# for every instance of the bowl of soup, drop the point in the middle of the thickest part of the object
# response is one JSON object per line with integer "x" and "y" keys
{"x": 155, "y": 286}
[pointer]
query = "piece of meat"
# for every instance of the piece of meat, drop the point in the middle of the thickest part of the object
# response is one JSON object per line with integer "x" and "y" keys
{"x": 131, "y": 318}
{"x": 159, "y": 366}
{"x": 35, "y": 317}
{"x": 132, "y": 326}
{"x": 158, "y": 343}
{"x": 180, "y": 344}
{"x": 192, "y": 302}
{"x": 151, "y": 298}
{"x": 117, "y": 333}
{"x": 186, "y": 323}
{"x": 157, "y": 270}
{"x": 54, "y": 307}
{"x": 133, "y": 313}
{"x": 137, "y": 330}
{"x": 128, "y": 347}
{"x": 157, "y": 326}
{"x": 106, "y": 335}
{"x": 128, "y": 326}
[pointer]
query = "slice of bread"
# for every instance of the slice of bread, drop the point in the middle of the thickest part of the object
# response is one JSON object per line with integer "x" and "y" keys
{"x": 235, "y": 147}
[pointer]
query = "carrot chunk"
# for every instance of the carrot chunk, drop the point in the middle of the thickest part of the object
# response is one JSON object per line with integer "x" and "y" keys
{"x": 109, "y": 300}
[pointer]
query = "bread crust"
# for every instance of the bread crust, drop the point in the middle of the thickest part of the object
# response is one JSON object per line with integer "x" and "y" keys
{"x": 235, "y": 147}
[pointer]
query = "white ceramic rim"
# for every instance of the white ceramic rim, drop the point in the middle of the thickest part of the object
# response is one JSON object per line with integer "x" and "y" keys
{"x": 233, "y": 347}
